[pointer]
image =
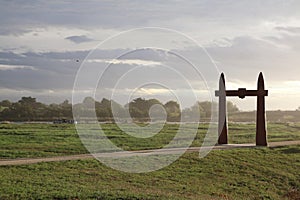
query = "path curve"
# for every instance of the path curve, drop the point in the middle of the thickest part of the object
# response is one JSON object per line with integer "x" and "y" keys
{"x": 26, "y": 161}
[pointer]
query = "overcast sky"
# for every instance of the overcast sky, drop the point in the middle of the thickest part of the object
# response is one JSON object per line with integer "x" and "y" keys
{"x": 44, "y": 43}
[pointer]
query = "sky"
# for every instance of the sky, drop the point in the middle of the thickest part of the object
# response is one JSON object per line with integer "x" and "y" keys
{"x": 45, "y": 44}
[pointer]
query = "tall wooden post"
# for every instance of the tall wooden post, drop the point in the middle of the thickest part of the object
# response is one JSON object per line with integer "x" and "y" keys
{"x": 222, "y": 126}
{"x": 261, "y": 134}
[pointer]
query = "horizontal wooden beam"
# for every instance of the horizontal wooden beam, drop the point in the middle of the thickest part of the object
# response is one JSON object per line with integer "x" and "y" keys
{"x": 242, "y": 92}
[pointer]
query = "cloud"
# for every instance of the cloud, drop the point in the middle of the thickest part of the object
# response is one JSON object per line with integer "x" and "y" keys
{"x": 79, "y": 39}
{"x": 57, "y": 70}
{"x": 14, "y": 31}
{"x": 195, "y": 15}
{"x": 46, "y": 96}
{"x": 288, "y": 29}
{"x": 242, "y": 61}
{"x": 39, "y": 71}
{"x": 206, "y": 21}
{"x": 125, "y": 61}
{"x": 41, "y": 40}
{"x": 289, "y": 39}
{"x": 15, "y": 67}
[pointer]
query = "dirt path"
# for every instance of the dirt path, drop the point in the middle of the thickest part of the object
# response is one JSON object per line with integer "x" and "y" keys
{"x": 26, "y": 161}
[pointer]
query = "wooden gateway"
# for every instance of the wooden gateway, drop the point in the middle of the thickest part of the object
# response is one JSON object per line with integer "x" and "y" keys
{"x": 260, "y": 93}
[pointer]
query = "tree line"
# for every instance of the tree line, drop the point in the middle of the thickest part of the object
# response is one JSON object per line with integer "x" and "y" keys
{"x": 29, "y": 109}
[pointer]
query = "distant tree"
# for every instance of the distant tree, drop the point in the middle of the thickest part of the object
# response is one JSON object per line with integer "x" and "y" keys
{"x": 157, "y": 110}
{"x": 232, "y": 108}
{"x": 27, "y": 100}
{"x": 206, "y": 108}
{"x": 89, "y": 102}
{"x": 5, "y": 103}
{"x": 66, "y": 109}
{"x": 173, "y": 111}
{"x": 194, "y": 113}
{"x": 152, "y": 102}
{"x": 105, "y": 106}
{"x": 65, "y": 104}
{"x": 138, "y": 108}
{"x": 172, "y": 107}
{"x": 119, "y": 110}
{"x": 53, "y": 111}
{"x": 28, "y": 109}
{"x": 25, "y": 108}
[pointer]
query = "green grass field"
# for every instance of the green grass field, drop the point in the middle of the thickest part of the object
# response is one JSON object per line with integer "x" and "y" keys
{"x": 44, "y": 140}
{"x": 261, "y": 173}
{"x": 257, "y": 173}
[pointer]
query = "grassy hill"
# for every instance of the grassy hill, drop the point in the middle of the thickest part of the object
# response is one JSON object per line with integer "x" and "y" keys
{"x": 262, "y": 173}
{"x": 259, "y": 173}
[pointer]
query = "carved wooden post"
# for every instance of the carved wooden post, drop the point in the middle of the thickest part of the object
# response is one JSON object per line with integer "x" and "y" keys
{"x": 261, "y": 134}
{"x": 222, "y": 126}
